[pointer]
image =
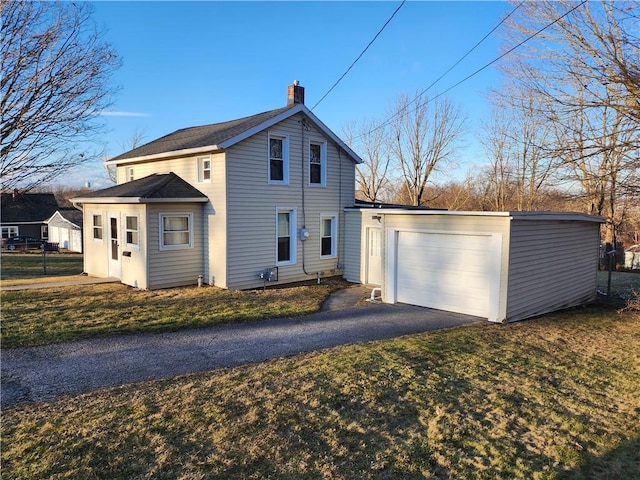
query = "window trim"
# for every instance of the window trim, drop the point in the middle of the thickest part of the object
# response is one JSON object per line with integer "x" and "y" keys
{"x": 334, "y": 234}
{"x": 323, "y": 163}
{"x": 200, "y": 160}
{"x": 127, "y": 230}
{"x": 9, "y": 229}
{"x": 285, "y": 159}
{"x": 161, "y": 232}
{"x": 292, "y": 235}
{"x": 97, "y": 228}
{"x": 129, "y": 174}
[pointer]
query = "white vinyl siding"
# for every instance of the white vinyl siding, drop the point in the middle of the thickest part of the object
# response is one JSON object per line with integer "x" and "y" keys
{"x": 353, "y": 231}
{"x": 174, "y": 267}
{"x": 252, "y": 202}
{"x": 548, "y": 267}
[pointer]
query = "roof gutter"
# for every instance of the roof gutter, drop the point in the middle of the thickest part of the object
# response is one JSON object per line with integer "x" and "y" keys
{"x": 137, "y": 200}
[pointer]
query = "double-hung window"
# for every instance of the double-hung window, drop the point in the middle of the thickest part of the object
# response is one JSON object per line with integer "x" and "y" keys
{"x": 317, "y": 164}
{"x": 278, "y": 159}
{"x": 328, "y": 235}
{"x": 9, "y": 232}
{"x": 176, "y": 231}
{"x": 130, "y": 174}
{"x": 204, "y": 169}
{"x": 285, "y": 236}
{"x": 97, "y": 227}
{"x": 131, "y": 231}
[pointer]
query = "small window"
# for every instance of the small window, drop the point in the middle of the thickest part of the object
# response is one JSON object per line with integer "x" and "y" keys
{"x": 176, "y": 231}
{"x": 9, "y": 232}
{"x": 328, "y": 235}
{"x": 204, "y": 169}
{"x": 44, "y": 232}
{"x": 129, "y": 174}
{"x": 278, "y": 160}
{"x": 285, "y": 241}
{"x": 131, "y": 231}
{"x": 97, "y": 227}
{"x": 317, "y": 163}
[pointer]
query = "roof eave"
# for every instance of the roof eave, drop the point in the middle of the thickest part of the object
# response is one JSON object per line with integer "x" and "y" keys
{"x": 163, "y": 155}
{"x": 136, "y": 200}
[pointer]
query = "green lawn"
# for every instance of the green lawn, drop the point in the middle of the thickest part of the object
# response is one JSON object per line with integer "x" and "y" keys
{"x": 52, "y": 315}
{"x": 18, "y": 268}
{"x": 556, "y": 397}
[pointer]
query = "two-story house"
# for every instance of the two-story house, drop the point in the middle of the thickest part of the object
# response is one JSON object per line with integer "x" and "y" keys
{"x": 233, "y": 204}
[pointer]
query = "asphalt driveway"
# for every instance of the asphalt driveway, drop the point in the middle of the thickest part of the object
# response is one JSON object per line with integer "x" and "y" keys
{"x": 53, "y": 371}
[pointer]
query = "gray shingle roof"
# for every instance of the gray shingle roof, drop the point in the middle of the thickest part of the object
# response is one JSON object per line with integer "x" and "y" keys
{"x": 27, "y": 207}
{"x": 71, "y": 214}
{"x": 158, "y": 186}
{"x": 202, "y": 136}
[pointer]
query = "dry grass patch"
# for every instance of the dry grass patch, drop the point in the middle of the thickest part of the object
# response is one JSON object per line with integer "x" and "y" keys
{"x": 36, "y": 317}
{"x": 552, "y": 398}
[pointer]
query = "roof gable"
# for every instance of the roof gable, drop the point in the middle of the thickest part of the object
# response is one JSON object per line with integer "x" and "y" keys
{"x": 220, "y": 136}
{"x": 27, "y": 207}
{"x": 154, "y": 188}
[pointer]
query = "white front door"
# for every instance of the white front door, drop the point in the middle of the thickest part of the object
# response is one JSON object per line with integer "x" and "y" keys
{"x": 115, "y": 269}
{"x": 374, "y": 256}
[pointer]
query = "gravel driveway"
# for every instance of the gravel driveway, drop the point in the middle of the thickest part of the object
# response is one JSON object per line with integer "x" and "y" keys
{"x": 52, "y": 371}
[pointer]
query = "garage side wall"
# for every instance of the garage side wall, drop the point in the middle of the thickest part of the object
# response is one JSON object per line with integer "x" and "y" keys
{"x": 553, "y": 265}
{"x": 353, "y": 250}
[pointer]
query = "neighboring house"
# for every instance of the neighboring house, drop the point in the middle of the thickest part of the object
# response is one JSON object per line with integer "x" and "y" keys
{"x": 65, "y": 229}
{"x": 25, "y": 214}
{"x": 236, "y": 204}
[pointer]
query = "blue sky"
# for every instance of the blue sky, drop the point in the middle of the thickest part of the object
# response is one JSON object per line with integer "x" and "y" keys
{"x": 200, "y": 62}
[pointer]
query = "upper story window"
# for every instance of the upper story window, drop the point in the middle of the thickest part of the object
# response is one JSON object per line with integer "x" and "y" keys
{"x": 129, "y": 174}
{"x": 204, "y": 169}
{"x": 278, "y": 159}
{"x": 317, "y": 164}
{"x": 97, "y": 227}
{"x": 176, "y": 231}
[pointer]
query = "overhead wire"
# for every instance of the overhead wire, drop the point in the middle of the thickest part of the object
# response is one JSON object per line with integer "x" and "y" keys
{"x": 361, "y": 54}
{"x": 487, "y": 65}
{"x": 459, "y": 61}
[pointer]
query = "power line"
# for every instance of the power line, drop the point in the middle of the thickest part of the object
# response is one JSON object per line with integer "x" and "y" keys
{"x": 500, "y": 57}
{"x": 458, "y": 62}
{"x": 361, "y": 54}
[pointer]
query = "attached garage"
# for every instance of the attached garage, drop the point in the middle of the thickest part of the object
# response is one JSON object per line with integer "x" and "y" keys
{"x": 503, "y": 266}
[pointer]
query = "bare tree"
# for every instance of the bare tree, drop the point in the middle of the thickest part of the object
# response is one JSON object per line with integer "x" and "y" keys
{"x": 581, "y": 64}
{"x": 55, "y": 74}
{"x": 425, "y": 134}
{"x": 134, "y": 141}
{"x": 372, "y": 179}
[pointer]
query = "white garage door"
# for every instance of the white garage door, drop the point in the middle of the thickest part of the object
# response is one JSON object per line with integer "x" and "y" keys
{"x": 445, "y": 271}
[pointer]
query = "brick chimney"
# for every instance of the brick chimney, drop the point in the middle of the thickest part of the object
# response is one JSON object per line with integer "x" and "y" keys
{"x": 295, "y": 94}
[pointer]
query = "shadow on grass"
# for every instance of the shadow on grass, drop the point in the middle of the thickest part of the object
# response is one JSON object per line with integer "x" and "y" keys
{"x": 621, "y": 463}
